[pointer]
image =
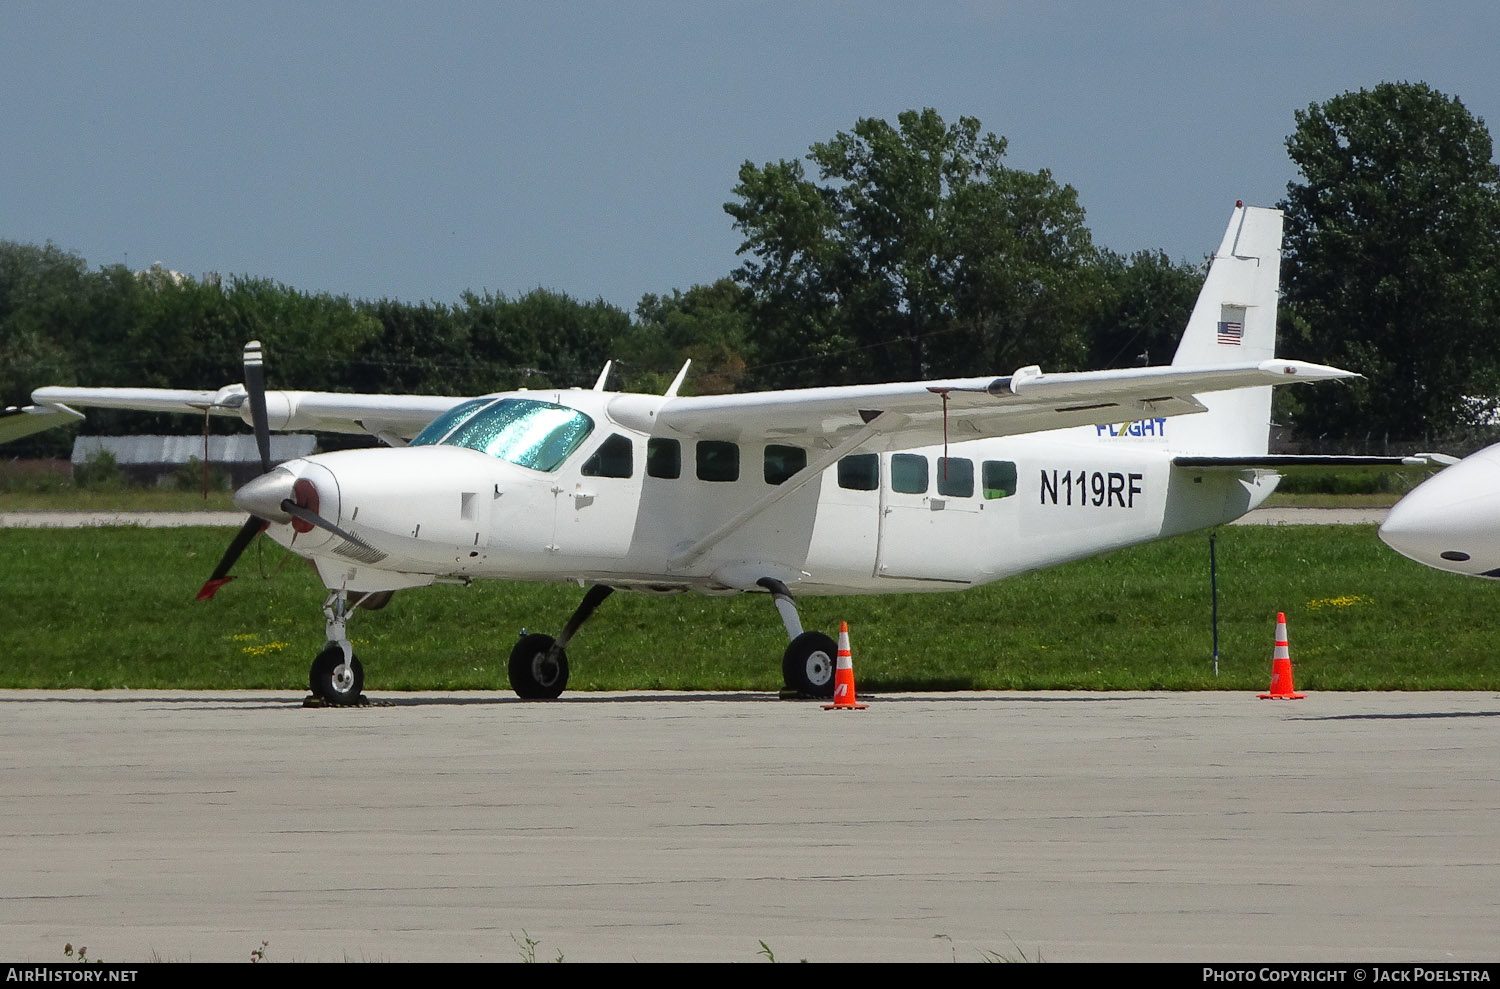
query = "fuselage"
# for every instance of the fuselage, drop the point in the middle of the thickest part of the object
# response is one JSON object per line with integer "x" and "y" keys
{"x": 590, "y": 488}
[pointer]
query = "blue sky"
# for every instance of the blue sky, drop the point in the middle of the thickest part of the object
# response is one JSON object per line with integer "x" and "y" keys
{"x": 413, "y": 151}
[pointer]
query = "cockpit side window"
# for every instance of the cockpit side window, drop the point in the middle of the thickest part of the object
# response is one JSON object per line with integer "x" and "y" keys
{"x": 614, "y": 458}
{"x": 521, "y": 431}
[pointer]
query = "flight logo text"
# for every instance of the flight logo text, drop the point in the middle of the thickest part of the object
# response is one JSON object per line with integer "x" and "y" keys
{"x": 1141, "y": 427}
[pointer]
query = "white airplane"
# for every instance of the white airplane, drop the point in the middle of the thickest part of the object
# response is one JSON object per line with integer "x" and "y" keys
{"x": 1451, "y": 521}
{"x": 914, "y": 486}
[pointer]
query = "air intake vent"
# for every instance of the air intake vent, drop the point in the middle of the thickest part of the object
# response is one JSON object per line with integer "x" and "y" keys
{"x": 359, "y": 551}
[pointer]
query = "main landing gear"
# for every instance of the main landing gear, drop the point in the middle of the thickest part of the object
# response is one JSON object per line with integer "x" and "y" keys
{"x": 807, "y": 665}
{"x": 539, "y": 663}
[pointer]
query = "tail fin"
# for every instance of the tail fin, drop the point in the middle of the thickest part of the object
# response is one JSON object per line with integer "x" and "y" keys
{"x": 1234, "y": 320}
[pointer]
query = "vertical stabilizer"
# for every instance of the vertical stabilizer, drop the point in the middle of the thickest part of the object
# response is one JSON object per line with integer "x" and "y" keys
{"x": 1234, "y": 321}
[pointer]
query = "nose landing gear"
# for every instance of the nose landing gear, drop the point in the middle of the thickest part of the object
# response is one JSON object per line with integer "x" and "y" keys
{"x": 337, "y": 677}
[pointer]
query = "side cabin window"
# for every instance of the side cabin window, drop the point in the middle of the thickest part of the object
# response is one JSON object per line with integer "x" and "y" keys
{"x": 521, "y": 431}
{"x": 999, "y": 479}
{"x": 955, "y": 477}
{"x": 909, "y": 473}
{"x": 860, "y": 472}
{"x": 614, "y": 458}
{"x": 663, "y": 458}
{"x": 782, "y": 462}
{"x": 718, "y": 461}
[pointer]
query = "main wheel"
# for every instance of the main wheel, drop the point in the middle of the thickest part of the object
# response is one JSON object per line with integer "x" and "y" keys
{"x": 327, "y": 681}
{"x": 534, "y": 676}
{"x": 807, "y": 665}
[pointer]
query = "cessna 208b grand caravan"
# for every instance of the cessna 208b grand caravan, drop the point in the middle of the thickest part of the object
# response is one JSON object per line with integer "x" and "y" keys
{"x": 915, "y": 486}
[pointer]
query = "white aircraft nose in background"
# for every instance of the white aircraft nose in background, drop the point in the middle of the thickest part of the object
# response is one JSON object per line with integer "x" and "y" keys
{"x": 1451, "y": 521}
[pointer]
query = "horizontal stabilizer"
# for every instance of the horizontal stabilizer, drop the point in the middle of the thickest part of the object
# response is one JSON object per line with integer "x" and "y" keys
{"x": 1289, "y": 462}
{"x": 16, "y": 423}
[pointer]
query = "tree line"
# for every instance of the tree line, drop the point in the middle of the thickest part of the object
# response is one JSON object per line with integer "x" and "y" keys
{"x": 896, "y": 250}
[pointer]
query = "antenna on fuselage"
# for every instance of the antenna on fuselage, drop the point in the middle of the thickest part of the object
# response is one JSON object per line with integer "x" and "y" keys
{"x": 671, "y": 391}
{"x": 603, "y": 376}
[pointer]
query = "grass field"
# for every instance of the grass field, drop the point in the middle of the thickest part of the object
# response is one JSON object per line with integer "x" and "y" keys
{"x": 99, "y": 608}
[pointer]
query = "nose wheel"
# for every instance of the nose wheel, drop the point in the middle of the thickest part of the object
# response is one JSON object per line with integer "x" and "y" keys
{"x": 335, "y": 680}
{"x": 337, "y": 677}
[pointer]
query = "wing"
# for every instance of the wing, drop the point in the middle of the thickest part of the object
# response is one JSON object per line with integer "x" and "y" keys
{"x": 922, "y": 412}
{"x": 392, "y": 417}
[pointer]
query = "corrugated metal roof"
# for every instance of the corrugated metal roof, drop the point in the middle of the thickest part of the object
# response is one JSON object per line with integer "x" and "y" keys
{"x": 180, "y": 449}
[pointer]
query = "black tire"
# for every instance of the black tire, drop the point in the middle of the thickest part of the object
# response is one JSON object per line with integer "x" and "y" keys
{"x": 532, "y": 675}
{"x": 372, "y": 600}
{"x": 330, "y": 688}
{"x": 808, "y": 664}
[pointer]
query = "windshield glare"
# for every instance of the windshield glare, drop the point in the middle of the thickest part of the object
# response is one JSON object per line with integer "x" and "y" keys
{"x": 443, "y": 424}
{"x": 521, "y": 431}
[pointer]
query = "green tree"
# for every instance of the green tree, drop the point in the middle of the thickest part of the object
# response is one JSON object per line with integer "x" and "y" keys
{"x": 1144, "y": 302}
{"x": 42, "y": 312}
{"x": 707, "y": 324}
{"x": 542, "y": 339}
{"x": 1392, "y": 267}
{"x": 917, "y": 252}
{"x": 312, "y": 340}
{"x": 422, "y": 347}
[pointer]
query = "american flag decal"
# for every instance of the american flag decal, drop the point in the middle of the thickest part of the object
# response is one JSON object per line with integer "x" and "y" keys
{"x": 1231, "y": 332}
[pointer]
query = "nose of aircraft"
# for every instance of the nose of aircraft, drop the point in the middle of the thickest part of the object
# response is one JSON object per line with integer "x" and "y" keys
{"x": 1451, "y": 521}
{"x": 263, "y": 496}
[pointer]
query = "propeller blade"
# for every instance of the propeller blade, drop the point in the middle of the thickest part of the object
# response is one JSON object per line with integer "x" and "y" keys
{"x": 313, "y": 518}
{"x": 220, "y": 576}
{"x": 255, "y": 389}
{"x": 255, "y": 386}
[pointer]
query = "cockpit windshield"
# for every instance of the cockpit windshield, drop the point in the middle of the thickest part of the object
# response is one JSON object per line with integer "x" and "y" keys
{"x": 521, "y": 431}
{"x": 443, "y": 424}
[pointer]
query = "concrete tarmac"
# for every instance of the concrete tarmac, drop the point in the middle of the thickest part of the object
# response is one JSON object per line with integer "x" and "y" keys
{"x": 657, "y": 827}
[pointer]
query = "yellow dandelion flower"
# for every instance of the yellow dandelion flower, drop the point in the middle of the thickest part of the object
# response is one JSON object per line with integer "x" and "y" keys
{"x": 1343, "y": 601}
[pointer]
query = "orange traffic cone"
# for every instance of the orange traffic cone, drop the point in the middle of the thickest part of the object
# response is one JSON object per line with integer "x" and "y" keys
{"x": 1281, "y": 667}
{"x": 843, "y": 676}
